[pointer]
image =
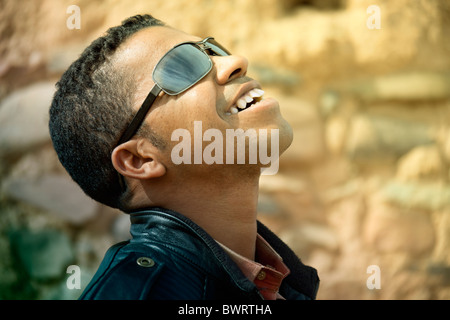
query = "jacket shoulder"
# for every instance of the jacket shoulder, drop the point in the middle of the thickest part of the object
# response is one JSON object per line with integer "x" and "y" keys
{"x": 128, "y": 277}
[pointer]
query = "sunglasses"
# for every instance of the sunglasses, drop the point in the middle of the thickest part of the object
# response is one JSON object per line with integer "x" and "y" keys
{"x": 178, "y": 70}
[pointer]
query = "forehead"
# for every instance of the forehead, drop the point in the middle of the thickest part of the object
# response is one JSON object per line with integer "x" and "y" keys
{"x": 138, "y": 55}
{"x": 161, "y": 37}
{"x": 145, "y": 48}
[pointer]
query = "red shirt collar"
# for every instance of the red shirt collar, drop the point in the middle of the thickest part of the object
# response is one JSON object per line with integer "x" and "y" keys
{"x": 266, "y": 272}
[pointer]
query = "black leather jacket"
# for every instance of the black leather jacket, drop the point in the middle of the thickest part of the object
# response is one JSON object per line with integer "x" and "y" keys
{"x": 170, "y": 257}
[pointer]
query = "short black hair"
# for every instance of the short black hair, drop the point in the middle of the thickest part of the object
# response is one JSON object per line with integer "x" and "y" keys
{"x": 90, "y": 109}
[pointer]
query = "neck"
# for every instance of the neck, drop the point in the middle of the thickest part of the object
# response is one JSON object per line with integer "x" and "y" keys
{"x": 225, "y": 208}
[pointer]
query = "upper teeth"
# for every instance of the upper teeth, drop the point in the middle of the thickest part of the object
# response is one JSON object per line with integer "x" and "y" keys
{"x": 245, "y": 99}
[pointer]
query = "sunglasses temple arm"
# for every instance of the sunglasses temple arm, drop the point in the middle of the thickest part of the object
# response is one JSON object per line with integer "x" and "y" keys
{"x": 140, "y": 115}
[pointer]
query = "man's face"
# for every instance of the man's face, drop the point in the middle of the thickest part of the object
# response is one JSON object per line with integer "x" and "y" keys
{"x": 208, "y": 101}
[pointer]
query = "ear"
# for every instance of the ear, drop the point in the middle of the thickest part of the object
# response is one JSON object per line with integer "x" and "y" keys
{"x": 138, "y": 159}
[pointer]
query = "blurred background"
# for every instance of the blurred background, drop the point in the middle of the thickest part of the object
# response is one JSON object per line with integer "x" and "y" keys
{"x": 365, "y": 183}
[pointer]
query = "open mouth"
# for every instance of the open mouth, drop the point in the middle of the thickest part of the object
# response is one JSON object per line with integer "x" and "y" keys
{"x": 246, "y": 101}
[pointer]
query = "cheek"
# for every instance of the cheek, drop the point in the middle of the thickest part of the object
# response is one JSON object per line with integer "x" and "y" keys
{"x": 200, "y": 103}
{"x": 178, "y": 112}
{"x": 193, "y": 106}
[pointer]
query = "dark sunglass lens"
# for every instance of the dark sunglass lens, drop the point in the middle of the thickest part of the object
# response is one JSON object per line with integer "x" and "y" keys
{"x": 180, "y": 68}
{"x": 217, "y": 47}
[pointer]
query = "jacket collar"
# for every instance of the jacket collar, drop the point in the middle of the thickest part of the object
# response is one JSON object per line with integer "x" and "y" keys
{"x": 164, "y": 225}
{"x": 159, "y": 223}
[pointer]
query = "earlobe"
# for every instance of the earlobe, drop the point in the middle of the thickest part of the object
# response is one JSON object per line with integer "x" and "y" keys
{"x": 132, "y": 160}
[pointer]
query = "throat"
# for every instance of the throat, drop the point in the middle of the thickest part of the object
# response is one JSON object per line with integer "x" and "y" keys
{"x": 225, "y": 207}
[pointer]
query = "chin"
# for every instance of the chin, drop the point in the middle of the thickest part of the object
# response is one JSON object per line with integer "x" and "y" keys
{"x": 285, "y": 134}
{"x": 286, "y": 137}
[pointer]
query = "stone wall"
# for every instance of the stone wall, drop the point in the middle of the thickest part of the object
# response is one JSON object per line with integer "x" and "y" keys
{"x": 365, "y": 183}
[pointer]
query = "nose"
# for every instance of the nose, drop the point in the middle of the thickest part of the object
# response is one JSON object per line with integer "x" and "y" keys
{"x": 230, "y": 67}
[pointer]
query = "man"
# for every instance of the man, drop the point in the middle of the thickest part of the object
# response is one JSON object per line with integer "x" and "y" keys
{"x": 195, "y": 233}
